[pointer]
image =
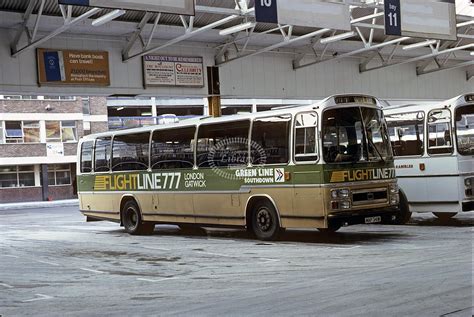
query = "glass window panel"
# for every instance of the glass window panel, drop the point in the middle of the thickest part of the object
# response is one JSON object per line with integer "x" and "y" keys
{"x": 1, "y": 132}
{"x": 223, "y": 144}
{"x": 173, "y": 149}
{"x": 439, "y": 132}
{"x": 86, "y": 157}
{"x": 305, "y": 137}
{"x": 8, "y": 180}
{"x": 130, "y": 152}
{"x": 272, "y": 136}
{"x": 63, "y": 178}
{"x": 53, "y": 131}
{"x": 26, "y": 168}
{"x": 407, "y": 133}
{"x": 465, "y": 129}
{"x": 31, "y": 131}
{"x": 26, "y": 179}
{"x": 102, "y": 154}
{"x": 13, "y": 132}
{"x": 51, "y": 179}
{"x": 6, "y": 169}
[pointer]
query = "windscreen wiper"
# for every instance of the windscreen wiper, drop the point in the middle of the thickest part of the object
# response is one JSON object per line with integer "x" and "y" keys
{"x": 375, "y": 148}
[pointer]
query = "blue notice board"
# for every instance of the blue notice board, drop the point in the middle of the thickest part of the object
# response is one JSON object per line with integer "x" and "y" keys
{"x": 266, "y": 11}
{"x": 52, "y": 66}
{"x": 393, "y": 17}
{"x": 75, "y": 2}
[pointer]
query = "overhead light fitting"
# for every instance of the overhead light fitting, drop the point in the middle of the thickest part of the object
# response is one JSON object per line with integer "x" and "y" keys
{"x": 338, "y": 37}
{"x": 420, "y": 44}
{"x": 108, "y": 17}
{"x": 472, "y": 53}
{"x": 237, "y": 28}
{"x": 459, "y": 25}
{"x": 120, "y": 108}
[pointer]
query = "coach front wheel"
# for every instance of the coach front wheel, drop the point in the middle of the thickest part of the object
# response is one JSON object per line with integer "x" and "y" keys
{"x": 265, "y": 223}
{"x": 132, "y": 220}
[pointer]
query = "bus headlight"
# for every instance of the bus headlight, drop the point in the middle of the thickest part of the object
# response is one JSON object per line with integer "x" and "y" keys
{"x": 394, "y": 199}
{"x": 393, "y": 188}
{"x": 340, "y": 193}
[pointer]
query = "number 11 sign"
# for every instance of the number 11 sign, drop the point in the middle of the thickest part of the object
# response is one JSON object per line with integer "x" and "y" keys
{"x": 392, "y": 17}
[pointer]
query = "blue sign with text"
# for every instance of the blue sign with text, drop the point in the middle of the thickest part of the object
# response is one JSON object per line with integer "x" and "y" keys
{"x": 393, "y": 17}
{"x": 266, "y": 11}
{"x": 52, "y": 66}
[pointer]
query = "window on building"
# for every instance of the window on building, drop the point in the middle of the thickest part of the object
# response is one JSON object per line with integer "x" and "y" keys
{"x": 59, "y": 98}
{"x": 172, "y": 149}
{"x": 439, "y": 132}
{"x": 61, "y": 131}
{"x": 13, "y": 132}
{"x": 130, "y": 152}
{"x": 31, "y": 131}
{"x": 68, "y": 131}
{"x": 223, "y": 144}
{"x": 59, "y": 174}
{"x": 86, "y": 106}
{"x": 305, "y": 137}
{"x": 53, "y": 131}
{"x": 271, "y": 136}
{"x": 86, "y": 156}
{"x": 1, "y": 133}
{"x": 406, "y": 133}
{"x": 17, "y": 176}
{"x": 102, "y": 154}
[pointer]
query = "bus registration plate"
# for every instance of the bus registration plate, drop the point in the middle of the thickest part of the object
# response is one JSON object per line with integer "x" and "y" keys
{"x": 376, "y": 219}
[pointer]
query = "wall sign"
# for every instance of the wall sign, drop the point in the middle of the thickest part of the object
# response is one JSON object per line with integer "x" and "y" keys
{"x": 429, "y": 19}
{"x": 173, "y": 71}
{"x": 313, "y": 13}
{"x": 54, "y": 149}
{"x": 392, "y": 17}
{"x": 68, "y": 67}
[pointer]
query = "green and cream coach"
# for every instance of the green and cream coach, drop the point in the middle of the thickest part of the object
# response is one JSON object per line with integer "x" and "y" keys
{"x": 324, "y": 166}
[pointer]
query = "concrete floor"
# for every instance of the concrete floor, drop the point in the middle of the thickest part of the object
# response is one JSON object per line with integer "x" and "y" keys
{"x": 52, "y": 263}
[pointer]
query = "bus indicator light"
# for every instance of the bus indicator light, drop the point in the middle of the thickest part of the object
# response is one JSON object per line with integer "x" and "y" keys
{"x": 422, "y": 166}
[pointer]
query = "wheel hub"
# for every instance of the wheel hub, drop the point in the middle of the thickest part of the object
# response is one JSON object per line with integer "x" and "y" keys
{"x": 264, "y": 219}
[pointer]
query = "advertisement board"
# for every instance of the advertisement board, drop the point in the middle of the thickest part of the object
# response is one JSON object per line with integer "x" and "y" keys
{"x": 184, "y": 7}
{"x": 71, "y": 67}
{"x": 179, "y": 71}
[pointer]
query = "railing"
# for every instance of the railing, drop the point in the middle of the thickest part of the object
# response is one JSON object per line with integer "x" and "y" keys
{"x": 119, "y": 123}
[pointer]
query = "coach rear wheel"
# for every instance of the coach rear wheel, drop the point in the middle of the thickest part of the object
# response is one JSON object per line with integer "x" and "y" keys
{"x": 132, "y": 220}
{"x": 265, "y": 222}
{"x": 404, "y": 214}
{"x": 444, "y": 216}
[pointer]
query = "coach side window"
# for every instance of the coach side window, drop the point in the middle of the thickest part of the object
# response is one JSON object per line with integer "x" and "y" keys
{"x": 130, "y": 152}
{"x": 306, "y": 125}
{"x": 439, "y": 132}
{"x": 102, "y": 154}
{"x": 270, "y": 138}
{"x": 406, "y": 133}
{"x": 173, "y": 149}
{"x": 86, "y": 156}
{"x": 223, "y": 144}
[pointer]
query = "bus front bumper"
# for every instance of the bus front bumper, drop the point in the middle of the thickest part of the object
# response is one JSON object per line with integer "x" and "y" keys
{"x": 342, "y": 219}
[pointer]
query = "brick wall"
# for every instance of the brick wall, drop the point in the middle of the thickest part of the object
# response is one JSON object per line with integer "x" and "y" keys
{"x": 97, "y": 127}
{"x": 61, "y": 192}
{"x": 22, "y": 150}
{"x": 98, "y": 105}
{"x": 38, "y": 106}
{"x": 12, "y": 195}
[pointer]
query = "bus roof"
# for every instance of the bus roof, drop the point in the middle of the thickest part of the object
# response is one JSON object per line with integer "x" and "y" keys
{"x": 453, "y": 102}
{"x": 332, "y": 101}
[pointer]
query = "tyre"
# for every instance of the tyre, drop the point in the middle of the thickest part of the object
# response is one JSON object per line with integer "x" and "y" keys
{"x": 404, "y": 214}
{"x": 444, "y": 216}
{"x": 265, "y": 223}
{"x": 132, "y": 220}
